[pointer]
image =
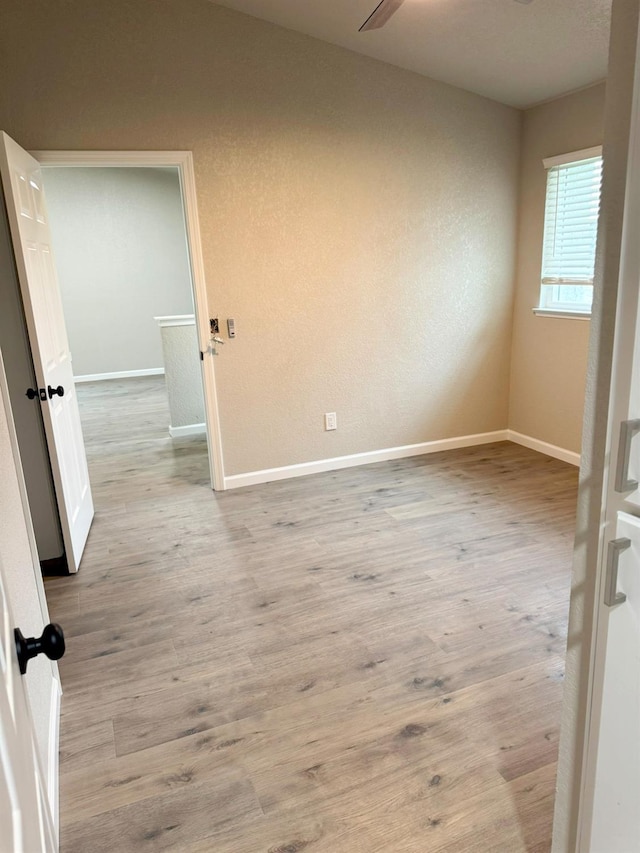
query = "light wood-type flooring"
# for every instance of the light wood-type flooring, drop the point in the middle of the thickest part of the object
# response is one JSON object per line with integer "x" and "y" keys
{"x": 359, "y": 661}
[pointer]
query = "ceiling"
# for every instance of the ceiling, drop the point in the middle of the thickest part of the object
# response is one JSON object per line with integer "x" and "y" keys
{"x": 514, "y": 53}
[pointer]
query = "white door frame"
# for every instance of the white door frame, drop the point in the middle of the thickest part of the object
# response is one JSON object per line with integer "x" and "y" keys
{"x": 609, "y": 371}
{"x": 625, "y": 352}
{"x": 183, "y": 161}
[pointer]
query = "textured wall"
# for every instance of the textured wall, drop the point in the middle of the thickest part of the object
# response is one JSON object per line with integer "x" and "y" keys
{"x": 549, "y": 354}
{"x": 358, "y": 220}
{"x": 121, "y": 253}
{"x": 183, "y": 374}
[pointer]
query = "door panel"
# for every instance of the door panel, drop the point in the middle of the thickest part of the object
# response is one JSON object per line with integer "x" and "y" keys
{"x": 29, "y": 704}
{"x": 25, "y": 820}
{"x": 48, "y": 339}
{"x": 616, "y": 818}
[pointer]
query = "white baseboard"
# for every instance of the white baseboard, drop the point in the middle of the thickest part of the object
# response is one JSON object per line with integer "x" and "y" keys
{"x": 119, "y": 374}
{"x": 253, "y": 478}
{"x": 268, "y": 475}
{"x": 544, "y": 447}
{"x": 189, "y": 429}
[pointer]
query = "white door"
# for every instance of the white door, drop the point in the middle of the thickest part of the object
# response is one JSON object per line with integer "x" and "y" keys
{"x": 29, "y": 703}
{"x": 615, "y": 825}
{"x": 610, "y": 801}
{"x": 26, "y": 824}
{"x": 22, "y": 184}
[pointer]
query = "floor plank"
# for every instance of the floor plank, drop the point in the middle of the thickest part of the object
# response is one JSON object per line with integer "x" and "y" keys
{"x": 363, "y": 660}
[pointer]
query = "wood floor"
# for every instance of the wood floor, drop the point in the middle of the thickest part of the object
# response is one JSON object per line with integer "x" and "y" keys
{"x": 359, "y": 661}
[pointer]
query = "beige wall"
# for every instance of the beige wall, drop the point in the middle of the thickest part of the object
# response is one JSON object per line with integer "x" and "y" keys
{"x": 549, "y": 354}
{"x": 120, "y": 248}
{"x": 358, "y": 220}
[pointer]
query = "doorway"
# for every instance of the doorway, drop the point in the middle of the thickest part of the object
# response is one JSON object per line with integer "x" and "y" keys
{"x": 126, "y": 291}
{"x": 180, "y": 165}
{"x": 47, "y": 465}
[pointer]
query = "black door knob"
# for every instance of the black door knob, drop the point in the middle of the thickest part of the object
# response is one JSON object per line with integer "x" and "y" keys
{"x": 51, "y": 643}
{"x": 34, "y": 393}
{"x": 59, "y": 391}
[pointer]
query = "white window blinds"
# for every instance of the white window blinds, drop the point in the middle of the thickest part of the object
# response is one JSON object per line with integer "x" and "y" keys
{"x": 571, "y": 222}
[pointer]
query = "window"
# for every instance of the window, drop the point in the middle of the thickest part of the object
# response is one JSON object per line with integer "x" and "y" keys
{"x": 570, "y": 232}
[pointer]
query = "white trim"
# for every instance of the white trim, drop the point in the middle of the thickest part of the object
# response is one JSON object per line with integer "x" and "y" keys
{"x": 572, "y": 156}
{"x": 53, "y": 760}
{"x": 176, "y": 320}
{"x": 214, "y": 436}
{"x": 268, "y": 475}
{"x": 188, "y": 429}
{"x": 544, "y": 447}
{"x": 563, "y": 314}
{"x": 183, "y": 160}
{"x": 119, "y": 374}
{"x": 105, "y": 159}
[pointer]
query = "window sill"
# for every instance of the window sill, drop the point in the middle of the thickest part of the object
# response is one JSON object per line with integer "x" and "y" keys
{"x": 562, "y": 313}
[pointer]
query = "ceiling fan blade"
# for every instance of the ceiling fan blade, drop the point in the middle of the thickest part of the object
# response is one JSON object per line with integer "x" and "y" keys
{"x": 380, "y": 15}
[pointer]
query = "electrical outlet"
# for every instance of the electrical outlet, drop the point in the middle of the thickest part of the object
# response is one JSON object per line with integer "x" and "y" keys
{"x": 330, "y": 421}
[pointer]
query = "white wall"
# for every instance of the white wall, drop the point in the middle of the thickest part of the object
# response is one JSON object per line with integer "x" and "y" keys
{"x": 121, "y": 253}
{"x": 182, "y": 372}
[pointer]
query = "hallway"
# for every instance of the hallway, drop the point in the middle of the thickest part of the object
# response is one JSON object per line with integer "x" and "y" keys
{"x": 361, "y": 661}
